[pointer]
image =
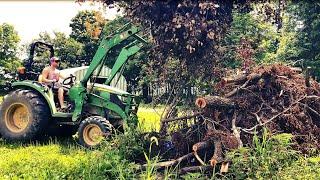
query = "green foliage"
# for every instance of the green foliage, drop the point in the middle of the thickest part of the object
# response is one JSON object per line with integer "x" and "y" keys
{"x": 305, "y": 17}
{"x": 66, "y": 160}
{"x": 68, "y": 49}
{"x": 249, "y": 39}
{"x": 150, "y": 171}
{"x": 303, "y": 168}
{"x": 9, "y": 40}
{"x": 86, "y": 28}
{"x": 267, "y": 156}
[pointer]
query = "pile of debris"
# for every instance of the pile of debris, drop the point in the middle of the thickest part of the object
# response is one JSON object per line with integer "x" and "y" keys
{"x": 276, "y": 97}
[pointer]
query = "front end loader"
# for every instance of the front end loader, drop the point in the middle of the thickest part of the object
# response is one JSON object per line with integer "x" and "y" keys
{"x": 95, "y": 109}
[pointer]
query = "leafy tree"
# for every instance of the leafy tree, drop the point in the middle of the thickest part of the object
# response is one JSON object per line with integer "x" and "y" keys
{"x": 86, "y": 27}
{"x": 66, "y": 48}
{"x": 306, "y": 14}
{"x": 250, "y": 40}
{"x": 9, "y": 40}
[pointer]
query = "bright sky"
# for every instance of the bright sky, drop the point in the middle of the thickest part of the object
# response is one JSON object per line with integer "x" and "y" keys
{"x": 32, "y": 17}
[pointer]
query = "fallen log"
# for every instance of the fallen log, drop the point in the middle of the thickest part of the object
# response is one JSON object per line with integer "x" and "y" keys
{"x": 241, "y": 79}
{"x": 214, "y": 102}
{"x": 237, "y": 80}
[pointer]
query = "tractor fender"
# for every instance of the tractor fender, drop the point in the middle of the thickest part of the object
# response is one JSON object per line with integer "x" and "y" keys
{"x": 44, "y": 91}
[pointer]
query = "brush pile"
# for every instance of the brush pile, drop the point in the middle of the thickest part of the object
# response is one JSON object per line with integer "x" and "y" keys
{"x": 276, "y": 97}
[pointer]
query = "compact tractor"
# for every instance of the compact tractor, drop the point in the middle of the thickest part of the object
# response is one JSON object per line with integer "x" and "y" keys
{"x": 96, "y": 109}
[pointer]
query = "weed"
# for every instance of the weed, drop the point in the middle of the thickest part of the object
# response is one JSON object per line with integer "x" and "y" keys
{"x": 268, "y": 155}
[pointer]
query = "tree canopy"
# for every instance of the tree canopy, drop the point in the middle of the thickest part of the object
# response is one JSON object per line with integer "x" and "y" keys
{"x": 86, "y": 27}
{"x": 9, "y": 41}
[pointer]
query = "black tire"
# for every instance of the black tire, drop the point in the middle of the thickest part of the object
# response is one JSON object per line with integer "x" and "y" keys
{"x": 27, "y": 105}
{"x": 93, "y": 123}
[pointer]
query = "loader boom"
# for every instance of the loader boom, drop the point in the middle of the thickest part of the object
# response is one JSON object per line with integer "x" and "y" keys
{"x": 129, "y": 42}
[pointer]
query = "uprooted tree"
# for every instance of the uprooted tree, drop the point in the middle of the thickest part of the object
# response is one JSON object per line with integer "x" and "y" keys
{"x": 277, "y": 98}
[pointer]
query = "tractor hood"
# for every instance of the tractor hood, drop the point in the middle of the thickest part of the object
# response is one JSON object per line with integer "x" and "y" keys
{"x": 110, "y": 89}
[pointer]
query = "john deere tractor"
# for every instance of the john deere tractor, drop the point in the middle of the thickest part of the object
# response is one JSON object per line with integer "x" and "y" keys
{"x": 95, "y": 109}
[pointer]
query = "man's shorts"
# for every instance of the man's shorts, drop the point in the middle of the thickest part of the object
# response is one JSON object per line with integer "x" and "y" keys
{"x": 56, "y": 86}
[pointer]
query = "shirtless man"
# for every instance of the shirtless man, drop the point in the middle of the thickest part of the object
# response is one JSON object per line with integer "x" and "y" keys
{"x": 51, "y": 75}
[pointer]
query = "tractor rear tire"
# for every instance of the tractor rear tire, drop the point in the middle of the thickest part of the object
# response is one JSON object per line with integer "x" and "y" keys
{"x": 24, "y": 115}
{"x": 93, "y": 130}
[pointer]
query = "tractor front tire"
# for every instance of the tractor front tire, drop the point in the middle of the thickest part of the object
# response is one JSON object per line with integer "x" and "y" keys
{"x": 93, "y": 130}
{"x": 24, "y": 115}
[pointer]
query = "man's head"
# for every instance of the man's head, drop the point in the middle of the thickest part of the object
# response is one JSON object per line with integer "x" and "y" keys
{"x": 54, "y": 61}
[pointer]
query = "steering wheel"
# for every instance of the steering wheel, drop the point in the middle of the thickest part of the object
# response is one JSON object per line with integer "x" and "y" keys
{"x": 69, "y": 80}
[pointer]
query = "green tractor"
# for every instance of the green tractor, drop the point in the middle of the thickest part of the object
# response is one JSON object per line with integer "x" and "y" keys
{"x": 95, "y": 109}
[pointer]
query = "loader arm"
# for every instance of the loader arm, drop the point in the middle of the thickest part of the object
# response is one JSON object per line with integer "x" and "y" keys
{"x": 105, "y": 46}
{"x": 78, "y": 93}
{"x": 122, "y": 59}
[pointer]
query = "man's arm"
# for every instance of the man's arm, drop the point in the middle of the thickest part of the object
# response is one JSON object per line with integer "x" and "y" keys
{"x": 45, "y": 74}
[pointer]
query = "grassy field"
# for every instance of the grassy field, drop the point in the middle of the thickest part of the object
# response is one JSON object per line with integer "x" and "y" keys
{"x": 149, "y": 118}
{"x": 64, "y": 159}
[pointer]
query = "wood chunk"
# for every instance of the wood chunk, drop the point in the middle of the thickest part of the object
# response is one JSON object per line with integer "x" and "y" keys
{"x": 214, "y": 102}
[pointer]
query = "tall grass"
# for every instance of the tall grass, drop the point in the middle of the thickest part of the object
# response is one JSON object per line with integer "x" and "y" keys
{"x": 271, "y": 157}
{"x": 47, "y": 161}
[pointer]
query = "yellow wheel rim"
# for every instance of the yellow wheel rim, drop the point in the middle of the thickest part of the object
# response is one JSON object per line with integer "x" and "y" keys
{"x": 92, "y": 134}
{"x": 17, "y": 117}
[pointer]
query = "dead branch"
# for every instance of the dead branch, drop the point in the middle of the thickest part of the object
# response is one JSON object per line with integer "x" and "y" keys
{"x": 198, "y": 158}
{"x": 224, "y": 167}
{"x": 236, "y": 90}
{"x": 257, "y": 118}
{"x": 174, "y": 162}
{"x": 250, "y": 79}
{"x": 198, "y": 147}
{"x": 311, "y": 109}
{"x": 235, "y": 129}
{"x": 239, "y": 79}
